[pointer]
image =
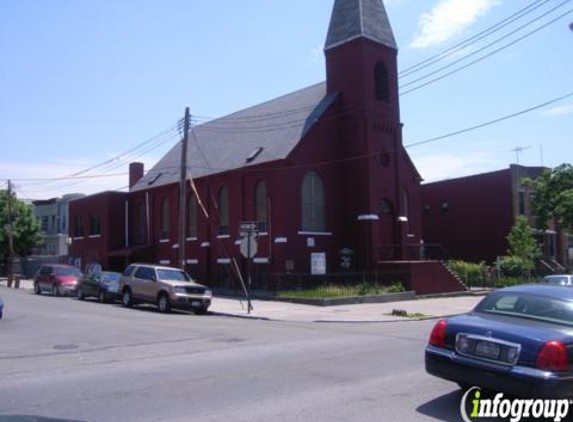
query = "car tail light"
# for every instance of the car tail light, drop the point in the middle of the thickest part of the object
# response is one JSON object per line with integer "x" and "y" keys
{"x": 553, "y": 357}
{"x": 438, "y": 336}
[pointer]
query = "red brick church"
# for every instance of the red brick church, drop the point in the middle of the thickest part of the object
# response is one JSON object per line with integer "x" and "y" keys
{"x": 322, "y": 170}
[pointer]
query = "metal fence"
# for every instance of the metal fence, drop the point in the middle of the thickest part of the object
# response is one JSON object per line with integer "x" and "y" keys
{"x": 417, "y": 252}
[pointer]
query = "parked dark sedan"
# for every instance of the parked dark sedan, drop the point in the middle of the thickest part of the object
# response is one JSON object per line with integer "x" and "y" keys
{"x": 103, "y": 285}
{"x": 518, "y": 340}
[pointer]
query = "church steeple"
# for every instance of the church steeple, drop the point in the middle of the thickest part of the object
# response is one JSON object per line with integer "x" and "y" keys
{"x": 353, "y": 19}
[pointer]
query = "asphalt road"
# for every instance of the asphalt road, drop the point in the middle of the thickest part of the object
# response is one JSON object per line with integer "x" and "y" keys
{"x": 63, "y": 358}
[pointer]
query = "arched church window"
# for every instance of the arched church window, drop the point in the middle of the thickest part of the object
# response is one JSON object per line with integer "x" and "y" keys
{"x": 261, "y": 208}
{"x": 223, "y": 211}
{"x": 381, "y": 82}
{"x": 313, "y": 203}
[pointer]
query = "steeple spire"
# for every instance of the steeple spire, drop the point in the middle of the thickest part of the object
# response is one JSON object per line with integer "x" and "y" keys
{"x": 353, "y": 19}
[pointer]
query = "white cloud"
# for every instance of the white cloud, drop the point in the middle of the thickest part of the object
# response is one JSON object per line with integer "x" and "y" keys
{"x": 316, "y": 55}
{"x": 558, "y": 111}
{"x": 448, "y": 19}
{"x": 31, "y": 180}
{"x": 434, "y": 167}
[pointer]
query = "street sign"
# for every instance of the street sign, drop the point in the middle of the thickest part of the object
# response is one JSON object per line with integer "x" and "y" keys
{"x": 248, "y": 226}
{"x": 249, "y": 247}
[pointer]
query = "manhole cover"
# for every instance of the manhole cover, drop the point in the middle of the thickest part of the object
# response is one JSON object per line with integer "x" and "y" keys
{"x": 66, "y": 346}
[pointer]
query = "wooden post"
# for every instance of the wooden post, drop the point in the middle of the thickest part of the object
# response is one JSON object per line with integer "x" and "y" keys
{"x": 183, "y": 190}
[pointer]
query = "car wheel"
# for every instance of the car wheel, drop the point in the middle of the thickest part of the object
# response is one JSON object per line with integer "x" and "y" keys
{"x": 55, "y": 290}
{"x": 163, "y": 304}
{"x": 37, "y": 289}
{"x": 101, "y": 297}
{"x": 80, "y": 294}
{"x": 201, "y": 311}
{"x": 126, "y": 298}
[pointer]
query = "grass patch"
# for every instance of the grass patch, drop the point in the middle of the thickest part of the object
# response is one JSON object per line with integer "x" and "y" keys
{"x": 336, "y": 291}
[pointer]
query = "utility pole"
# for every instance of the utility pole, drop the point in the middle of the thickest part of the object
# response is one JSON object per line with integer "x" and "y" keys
{"x": 10, "y": 237}
{"x": 183, "y": 190}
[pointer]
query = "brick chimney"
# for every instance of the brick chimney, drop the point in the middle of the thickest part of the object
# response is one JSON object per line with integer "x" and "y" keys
{"x": 135, "y": 173}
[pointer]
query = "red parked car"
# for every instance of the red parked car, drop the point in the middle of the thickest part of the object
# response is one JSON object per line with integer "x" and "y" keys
{"x": 57, "y": 279}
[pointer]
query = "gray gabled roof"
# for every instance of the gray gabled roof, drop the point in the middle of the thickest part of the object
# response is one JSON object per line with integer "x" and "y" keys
{"x": 268, "y": 131}
{"x": 353, "y": 19}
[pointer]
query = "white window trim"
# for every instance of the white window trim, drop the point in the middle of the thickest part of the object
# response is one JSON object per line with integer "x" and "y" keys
{"x": 303, "y": 233}
{"x": 205, "y": 244}
{"x": 175, "y": 246}
{"x": 78, "y": 238}
{"x": 261, "y": 260}
{"x": 95, "y": 236}
{"x": 223, "y": 261}
{"x": 191, "y": 239}
{"x": 281, "y": 240}
{"x": 163, "y": 240}
{"x": 224, "y": 236}
{"x": 368, "y": 217}
{"x": 164, "y": 262}
{"x": 192, "y": 261}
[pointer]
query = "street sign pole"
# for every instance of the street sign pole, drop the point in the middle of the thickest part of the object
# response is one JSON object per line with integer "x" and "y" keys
{"x": 248, "y": 233}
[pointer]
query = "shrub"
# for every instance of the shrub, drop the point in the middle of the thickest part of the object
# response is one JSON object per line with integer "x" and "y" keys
{"x": 396, "y": 288}
{"x": 470, "y": 273}
{"x": 511, "y": 266}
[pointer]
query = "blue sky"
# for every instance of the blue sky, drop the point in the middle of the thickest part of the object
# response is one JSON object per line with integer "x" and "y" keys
{"x": 82, "y": 81}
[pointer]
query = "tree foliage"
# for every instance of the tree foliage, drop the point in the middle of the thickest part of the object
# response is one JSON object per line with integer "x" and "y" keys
{"x": 26, "y": 233}
{"x": 553, "y": 197}
{"x": 523, "y": 247}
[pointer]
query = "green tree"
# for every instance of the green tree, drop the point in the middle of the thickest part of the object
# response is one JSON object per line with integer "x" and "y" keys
{"x": 553, "y": 197}
{"x": 523, "y": 247}
{"x": 26, "y": 234}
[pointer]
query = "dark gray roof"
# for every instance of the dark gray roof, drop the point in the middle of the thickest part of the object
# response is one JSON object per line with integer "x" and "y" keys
{"x": 276, "y": 126}
{"x": 352, "y": 19}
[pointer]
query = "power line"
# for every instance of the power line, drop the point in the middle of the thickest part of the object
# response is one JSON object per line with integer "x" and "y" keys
{"x": 486, "y": 56}
{"x": 489, "y": 123}
{"x": 411, "y": 145}
{"x": 473, "y": 39}
{"x": 474, "y": 53}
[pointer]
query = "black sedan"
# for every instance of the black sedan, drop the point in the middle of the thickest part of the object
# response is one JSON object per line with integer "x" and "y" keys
{"x": 518, "y": 340}
{"x": 102, "y": 285}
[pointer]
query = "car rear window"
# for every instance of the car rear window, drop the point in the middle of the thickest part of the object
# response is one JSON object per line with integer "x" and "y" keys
{"x": 557, "y": 280}
{"x": 174, "y": 275}
{"x": 129, "y": 271}
{"x": 145, "y": 273}
{"x": 110, "y": 276}
{"x": 525, "y": 305}
{"x": 68, "y": 272}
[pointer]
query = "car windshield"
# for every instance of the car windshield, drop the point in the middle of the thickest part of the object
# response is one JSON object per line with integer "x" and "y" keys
{"x": 530, "y": 306}
{"x": 68, "y": 272}
{"x": 556, "y": 280}
{"x": 105, "y": 276}
{"x": 174, "y": 275}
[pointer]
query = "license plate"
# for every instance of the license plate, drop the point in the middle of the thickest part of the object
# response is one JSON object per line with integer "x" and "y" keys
{"x": 195, "y": 303}
{"x": 488, "y": 349}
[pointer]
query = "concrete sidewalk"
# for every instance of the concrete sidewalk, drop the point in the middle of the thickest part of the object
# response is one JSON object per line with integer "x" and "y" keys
{"x": 283, "y": 311}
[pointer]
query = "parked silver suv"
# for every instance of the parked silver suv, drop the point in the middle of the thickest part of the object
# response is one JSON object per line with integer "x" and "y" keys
{"x": 164, "y": 286}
